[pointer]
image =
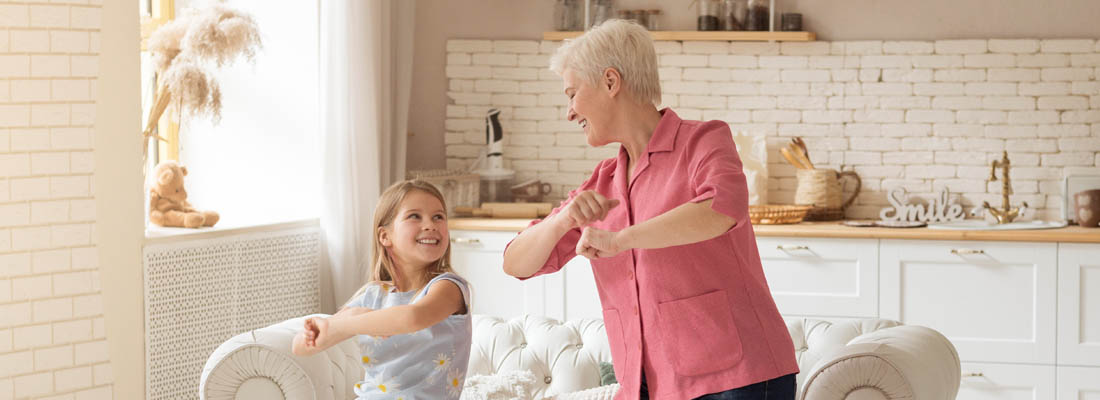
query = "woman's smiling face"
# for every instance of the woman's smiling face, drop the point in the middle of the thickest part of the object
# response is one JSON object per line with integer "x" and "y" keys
{"x": 588, "y": 107}
{"x": 418, "y": 235}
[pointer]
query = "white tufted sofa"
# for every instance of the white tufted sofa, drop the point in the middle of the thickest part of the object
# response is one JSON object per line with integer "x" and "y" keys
{"x": 868, "y": 359}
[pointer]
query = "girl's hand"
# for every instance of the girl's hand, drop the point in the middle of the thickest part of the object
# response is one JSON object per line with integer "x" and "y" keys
{"x": 317, "y": 334}
{"x": 586, "y": 208}
{"x": 598, "y": 243}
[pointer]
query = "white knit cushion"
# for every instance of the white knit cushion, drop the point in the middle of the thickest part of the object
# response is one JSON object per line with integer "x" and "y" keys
{"x": 503, "y": 386}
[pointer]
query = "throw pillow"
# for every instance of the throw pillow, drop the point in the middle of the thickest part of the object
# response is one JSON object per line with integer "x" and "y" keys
{"x": 607, "y": 374}
{"x": 507, "y": 385}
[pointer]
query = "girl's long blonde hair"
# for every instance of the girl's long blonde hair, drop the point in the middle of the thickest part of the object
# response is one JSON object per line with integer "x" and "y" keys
{"x": 388, "y": 205}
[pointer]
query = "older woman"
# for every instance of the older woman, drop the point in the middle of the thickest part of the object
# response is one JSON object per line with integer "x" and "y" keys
{"x": 665, "y": 224}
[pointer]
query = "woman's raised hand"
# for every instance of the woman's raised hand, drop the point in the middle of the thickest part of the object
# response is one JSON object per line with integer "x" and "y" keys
{"x": 586, "y": 208}
{"x": 598, "y": 243}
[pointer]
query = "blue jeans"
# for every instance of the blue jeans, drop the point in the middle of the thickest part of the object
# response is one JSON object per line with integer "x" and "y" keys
{"x": 781, "y": 388}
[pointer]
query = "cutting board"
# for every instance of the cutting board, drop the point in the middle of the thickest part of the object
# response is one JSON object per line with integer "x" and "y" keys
{"x": 506, "y": 210}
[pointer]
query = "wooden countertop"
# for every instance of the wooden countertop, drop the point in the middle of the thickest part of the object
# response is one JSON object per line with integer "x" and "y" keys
{"x": 832, "y": 229}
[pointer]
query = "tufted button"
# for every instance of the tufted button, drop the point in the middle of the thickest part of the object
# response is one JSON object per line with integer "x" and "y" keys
{"x": 579, "y": 346}
{"x": 523, "y": 345}
{"x": 546, "y": 379}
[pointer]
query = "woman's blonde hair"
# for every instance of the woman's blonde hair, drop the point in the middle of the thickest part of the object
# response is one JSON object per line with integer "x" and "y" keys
{"x": 384, "y": 214}
{"x": 619, "y": 44}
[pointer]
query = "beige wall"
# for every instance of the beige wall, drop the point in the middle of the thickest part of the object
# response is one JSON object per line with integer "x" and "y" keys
{"x": 52, "y": 329}
{"x": 439, "y": 20}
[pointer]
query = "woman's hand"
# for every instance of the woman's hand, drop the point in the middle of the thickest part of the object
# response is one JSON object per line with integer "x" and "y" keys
{"x": 598, "y": 243}
{"x": 586, "y": 208}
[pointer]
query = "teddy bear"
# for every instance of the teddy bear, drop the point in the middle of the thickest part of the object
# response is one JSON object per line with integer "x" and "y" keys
{"x": 168, "y": 204}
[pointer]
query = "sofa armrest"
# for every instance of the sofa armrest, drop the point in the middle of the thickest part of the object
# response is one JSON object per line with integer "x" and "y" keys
{"x": 249, "y": 365}
{"x": 893, "y": 363}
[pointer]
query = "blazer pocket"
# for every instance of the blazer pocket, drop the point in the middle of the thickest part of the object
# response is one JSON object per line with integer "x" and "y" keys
{"x": 614, "y": 330}
{"x": 699, "y": 335}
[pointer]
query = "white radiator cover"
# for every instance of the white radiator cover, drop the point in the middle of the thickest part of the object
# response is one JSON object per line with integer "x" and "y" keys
{"x": 200, "y": 292}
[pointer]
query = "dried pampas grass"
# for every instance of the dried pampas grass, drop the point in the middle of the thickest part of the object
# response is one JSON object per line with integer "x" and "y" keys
{"x": 214, "y": 33}
{"x": 194, "y": 90}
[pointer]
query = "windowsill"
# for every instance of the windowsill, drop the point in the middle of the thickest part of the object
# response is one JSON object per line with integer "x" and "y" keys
{"x": 155, "y": 234}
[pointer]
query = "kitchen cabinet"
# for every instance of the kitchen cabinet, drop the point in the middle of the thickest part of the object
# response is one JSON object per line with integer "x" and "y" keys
{"x": 1078, "y": 383}
{"x": 995, "y": 301}
{"x": 822, "y": 277}
{"x": 1006, "y": 382}
{"x": 1079, "y": 304}
{"x": 1024, "y": 316}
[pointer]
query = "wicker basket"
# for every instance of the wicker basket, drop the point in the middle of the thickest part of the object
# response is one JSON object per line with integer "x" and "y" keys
{"x": 825, "y": 214}
{"x": 459, "y": 188}
{"x": 777, "y": 214}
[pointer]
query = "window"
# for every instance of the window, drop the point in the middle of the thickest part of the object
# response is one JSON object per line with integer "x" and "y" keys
{"x": 260, "y": 163}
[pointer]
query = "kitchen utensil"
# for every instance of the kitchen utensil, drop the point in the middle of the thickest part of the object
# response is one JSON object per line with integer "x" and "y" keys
{"x": 1075, "y": 183}
{"x": 789, "y": 155}
{"x": 1088, "y": 208}
{"x": 530, "y": 191}
{"x": 859, "y": 224}
{"x": 801, "y": 145}
{"x": 506, "y": 210}
{"x": 799, "y": 154}
{"x": 496, "y": 181}
{"x": 821, "y": 188}
{"x": 900, "y": 224}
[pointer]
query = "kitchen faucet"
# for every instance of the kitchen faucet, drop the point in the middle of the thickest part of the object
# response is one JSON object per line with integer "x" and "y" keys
{"x": 1005, "y": 214}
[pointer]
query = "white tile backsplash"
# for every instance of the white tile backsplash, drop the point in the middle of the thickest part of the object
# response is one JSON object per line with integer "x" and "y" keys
{"x": 920, "y": 114}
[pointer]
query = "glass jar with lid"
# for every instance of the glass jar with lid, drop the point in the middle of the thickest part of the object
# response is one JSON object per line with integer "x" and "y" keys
{"x": 601, "y": 11}
{"x": 651, "y": 20}
{"x": 759, "y": 17}
{"x": 708, "y": 15}
{"x": 732, "y": 15}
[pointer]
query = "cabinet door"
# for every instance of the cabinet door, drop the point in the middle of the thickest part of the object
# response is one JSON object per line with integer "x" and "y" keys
{"x": 1006, "y": 382}
{"x": 1079, "y": 304}
{"x": 478, "y": 256}
{"x": 822, "y": 277}
{"x": 1078, "y": 383}
{"x": 994, "y": 300}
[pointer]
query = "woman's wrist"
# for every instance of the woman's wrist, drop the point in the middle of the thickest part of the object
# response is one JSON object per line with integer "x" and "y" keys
{"x": 624, "y": 239}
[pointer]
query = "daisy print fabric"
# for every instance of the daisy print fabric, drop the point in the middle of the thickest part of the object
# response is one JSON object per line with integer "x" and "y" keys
{"x": 426, "y": 364}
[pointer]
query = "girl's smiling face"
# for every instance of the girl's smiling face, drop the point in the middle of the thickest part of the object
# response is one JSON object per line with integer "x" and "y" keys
{"x": 418, "y": 235}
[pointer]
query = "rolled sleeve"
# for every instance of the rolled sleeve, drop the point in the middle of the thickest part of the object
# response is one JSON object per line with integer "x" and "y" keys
{"x": 566, "y": 248}
{"x": 715, "y": 171}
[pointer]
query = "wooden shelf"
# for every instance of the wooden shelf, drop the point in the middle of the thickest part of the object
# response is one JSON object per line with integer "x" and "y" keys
{"x": 738, "y": 36}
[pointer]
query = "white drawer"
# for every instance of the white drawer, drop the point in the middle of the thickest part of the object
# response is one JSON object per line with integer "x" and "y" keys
{"x": 1078, "y": 383}
{"x": 1006, "y": 382}
{"x": 994, "y": 300}
{"x": 822, "y": 277}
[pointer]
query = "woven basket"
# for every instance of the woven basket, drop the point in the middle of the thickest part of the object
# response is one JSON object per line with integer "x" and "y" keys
{"x": 825, "y": 214}
{"x": 777, "y": 214}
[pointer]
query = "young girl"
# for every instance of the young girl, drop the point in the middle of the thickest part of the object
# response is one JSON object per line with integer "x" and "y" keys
{"x": 412, "y": 318}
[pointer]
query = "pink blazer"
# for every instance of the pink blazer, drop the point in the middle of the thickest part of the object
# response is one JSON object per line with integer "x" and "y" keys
{"x": 697, "y": 318}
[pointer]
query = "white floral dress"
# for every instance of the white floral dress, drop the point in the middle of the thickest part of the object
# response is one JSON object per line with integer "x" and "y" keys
{"x": 426, "y": 364}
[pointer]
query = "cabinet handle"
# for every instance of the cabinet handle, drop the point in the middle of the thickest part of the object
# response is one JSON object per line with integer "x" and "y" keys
{"x": 459, "y": 240}
{"x": 785, "y": 247}
{"x": 967, "y": 251}
{"x": 972, "y": 374}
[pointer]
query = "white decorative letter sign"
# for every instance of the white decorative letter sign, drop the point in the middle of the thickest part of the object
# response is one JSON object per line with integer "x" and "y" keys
{"x": 939, "y": 210}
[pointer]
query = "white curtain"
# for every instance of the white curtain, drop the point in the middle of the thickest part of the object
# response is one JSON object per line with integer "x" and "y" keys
{"x": 366, "y": 76}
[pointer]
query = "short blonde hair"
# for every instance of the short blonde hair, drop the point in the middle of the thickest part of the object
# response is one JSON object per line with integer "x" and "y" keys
{"x": 619, "y": 44}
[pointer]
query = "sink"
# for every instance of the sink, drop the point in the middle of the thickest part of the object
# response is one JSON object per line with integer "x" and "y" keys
{"x": 981, "y": 225}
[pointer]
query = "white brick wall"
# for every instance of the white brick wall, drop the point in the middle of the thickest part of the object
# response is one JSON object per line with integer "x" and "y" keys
{"x": 52, "y": 341}
{"x": 921, "y": 114}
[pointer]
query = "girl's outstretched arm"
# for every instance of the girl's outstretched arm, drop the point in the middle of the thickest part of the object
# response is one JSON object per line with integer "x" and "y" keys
{"x": 305, "y": 342}
{"x": 442, "y": 300}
